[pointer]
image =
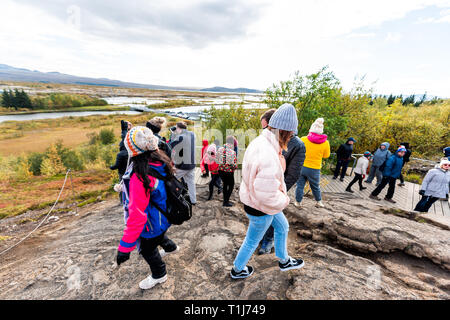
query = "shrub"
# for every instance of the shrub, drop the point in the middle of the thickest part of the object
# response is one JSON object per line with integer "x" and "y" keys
{"x": 106, "y": 136}
{"x": 35, "y": 161}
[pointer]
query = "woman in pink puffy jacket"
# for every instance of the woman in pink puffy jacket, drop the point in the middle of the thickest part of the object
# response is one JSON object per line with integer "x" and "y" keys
{"x": 263, "y": 192}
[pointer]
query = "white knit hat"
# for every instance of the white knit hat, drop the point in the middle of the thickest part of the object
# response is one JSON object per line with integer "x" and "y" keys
{"x": 317, "y": 126}
{"x": 140, "y": 139}
{"x": 444, "y": 161}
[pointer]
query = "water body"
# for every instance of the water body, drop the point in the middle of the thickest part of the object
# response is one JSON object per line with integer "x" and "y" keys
{"x": 188, "y": 112}
{"x": 55, "y": 115}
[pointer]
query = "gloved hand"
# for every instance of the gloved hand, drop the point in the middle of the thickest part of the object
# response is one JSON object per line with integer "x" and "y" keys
{"x": 364, "y": 176}
{"x": 122, "y": 257}
{"x": 422, "y": 192}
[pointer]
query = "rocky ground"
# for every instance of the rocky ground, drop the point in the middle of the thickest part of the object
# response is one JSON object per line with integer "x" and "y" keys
{"x": 353, "y": 249}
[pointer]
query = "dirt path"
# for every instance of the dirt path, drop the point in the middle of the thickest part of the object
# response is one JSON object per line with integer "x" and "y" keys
{"x": 73, "y": 258}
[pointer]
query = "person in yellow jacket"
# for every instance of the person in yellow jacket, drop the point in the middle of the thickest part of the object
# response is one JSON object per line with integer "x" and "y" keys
{"x": 317, "y": 148}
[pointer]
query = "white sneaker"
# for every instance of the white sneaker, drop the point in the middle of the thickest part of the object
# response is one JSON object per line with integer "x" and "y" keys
{"x": 163, "y": 252}
{"x": 319, "y": 204}
{"x": 149, "y": 282}
{"x": 298, "y": 204}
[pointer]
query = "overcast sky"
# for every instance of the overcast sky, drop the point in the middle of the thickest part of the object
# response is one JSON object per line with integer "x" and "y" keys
{"x": 400, "y": 46}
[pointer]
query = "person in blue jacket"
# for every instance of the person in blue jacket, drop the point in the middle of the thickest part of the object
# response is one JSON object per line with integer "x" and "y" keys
{"x": 391, "y": 173}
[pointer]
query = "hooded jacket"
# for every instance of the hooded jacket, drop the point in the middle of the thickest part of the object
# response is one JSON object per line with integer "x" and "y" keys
{"x": 344, "y": 152}
{"x": 317, "y": 148}
{"x": 262, "y": 186}
{"x": 141, "y": 217}
{"x": 210, "y": 160}
{"x": 436, "y": 183}
{"x": 380, "y": 156}
{"x": 393, "y": 167}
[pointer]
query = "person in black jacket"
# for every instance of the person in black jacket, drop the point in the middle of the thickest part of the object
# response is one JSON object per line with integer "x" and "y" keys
{"x": 121, "y": 163}
{"x": 295, "y": 156}
{"x": 405, "y": 160}
{"x": 344, "y": 155}
{"x": 156, "y": 124}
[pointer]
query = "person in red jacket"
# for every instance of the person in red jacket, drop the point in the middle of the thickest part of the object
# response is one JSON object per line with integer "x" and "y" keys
{"x": 204, "y": 168}
{"x": 210, "y": 160}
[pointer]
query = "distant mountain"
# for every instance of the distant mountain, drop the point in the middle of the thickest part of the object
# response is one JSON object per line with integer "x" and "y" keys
{"x": 237, "y": 90}
{"x": 9, "y": 73}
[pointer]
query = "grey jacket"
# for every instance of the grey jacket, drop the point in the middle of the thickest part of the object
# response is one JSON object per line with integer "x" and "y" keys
{"x": 380, "y": 156}
{"x": 183, "y": 150}
{"x": 436, "y": 183}
{"x": 295, "y": 156}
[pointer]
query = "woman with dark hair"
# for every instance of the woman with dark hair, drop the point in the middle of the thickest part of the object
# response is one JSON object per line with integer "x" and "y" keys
{"x": 146, "y": 227}
{"x": 263, "y": 192}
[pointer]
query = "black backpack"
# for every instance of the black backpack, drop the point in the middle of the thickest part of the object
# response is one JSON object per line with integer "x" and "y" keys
{"x": 178, "y": 204}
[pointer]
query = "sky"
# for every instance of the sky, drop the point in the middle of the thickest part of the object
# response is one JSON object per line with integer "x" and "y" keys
{"x": 399, "y": 47}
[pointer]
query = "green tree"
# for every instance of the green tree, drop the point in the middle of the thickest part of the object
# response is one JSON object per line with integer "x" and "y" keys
{"x": 318, "y": 95}
{"x": 7, "y": 98}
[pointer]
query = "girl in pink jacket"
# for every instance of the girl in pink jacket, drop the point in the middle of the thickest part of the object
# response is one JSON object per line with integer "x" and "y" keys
{"x": 145, "y": 225}
{"x": 263, "y": 192}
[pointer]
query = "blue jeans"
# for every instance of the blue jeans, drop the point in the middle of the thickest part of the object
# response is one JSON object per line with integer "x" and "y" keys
{"x": 313, "y": 177}
{"x": 256, "y": 229}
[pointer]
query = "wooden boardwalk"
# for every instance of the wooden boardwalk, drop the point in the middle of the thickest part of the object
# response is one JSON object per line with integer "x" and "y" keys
{"x": 406, "y": 196}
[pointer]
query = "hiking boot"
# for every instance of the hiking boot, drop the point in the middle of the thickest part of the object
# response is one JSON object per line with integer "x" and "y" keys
{"x": 349, "y": 190}
{"x": 209, "y": 197}
{"x": 362, "y": 188}
{"x": 227, "y": 204}
{"x": 319, "y": 204}
{"x": 334, "y": 178}
{"x": 390, "y": 200}
{"x": 370, "y": 182}
{"x": 291, "y": 264}
{"x": 298, "y": 205}
{"x": 245, "y": 273}
{"x": 164, "y": 253}
{"x": 266, "y": 248}
{"x": 342, "y": 179}
{"x": 401, "y": 184}
{"x": 374, "y": 197}
{"x": 149, "y": 282}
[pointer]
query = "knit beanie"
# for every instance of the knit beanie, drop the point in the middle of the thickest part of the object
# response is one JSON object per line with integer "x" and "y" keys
{"x": 444, "y": 161}
{"x": 140, "y": 139}
{"x": 402, "y": 148}
{"x": 285, "y": 118}
{"x": 367, "y": 154}
{"x": 317, "y": 126}
{"x": 447, "y": 151}
{"x": 156, "y": 124}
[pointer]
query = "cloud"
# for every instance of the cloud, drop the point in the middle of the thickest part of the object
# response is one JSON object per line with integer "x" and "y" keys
{"x": 393, "y": 37}
{"x": 175, "y": 22}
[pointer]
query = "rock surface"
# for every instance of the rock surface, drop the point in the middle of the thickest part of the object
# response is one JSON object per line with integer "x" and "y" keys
{"x": 385, "y": 257}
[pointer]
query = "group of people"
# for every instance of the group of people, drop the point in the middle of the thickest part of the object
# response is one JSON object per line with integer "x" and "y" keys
{"x": 387, "y": 168}
{"x": 273, "y": 163}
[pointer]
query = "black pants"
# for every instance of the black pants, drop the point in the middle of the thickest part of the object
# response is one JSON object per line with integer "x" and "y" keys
{"x": 358, "y": 178}
{"x": 341, "y": 164}
{"x": 215, "y": 181}
{"x": 149, "y": 251}
{"x": 206, "y": 170}
{"x": 425, "y": 203}
{"x": 120, "y": 193}
{"x": 228, "y": 184}
{"x": 384, "y": 183}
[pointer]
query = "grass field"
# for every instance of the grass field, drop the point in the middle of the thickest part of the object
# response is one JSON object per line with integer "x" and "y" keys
{"x": 37, "y": 135}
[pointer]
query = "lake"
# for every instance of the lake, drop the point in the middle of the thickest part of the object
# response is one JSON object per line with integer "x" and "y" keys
{"x": 188, "y": 112}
